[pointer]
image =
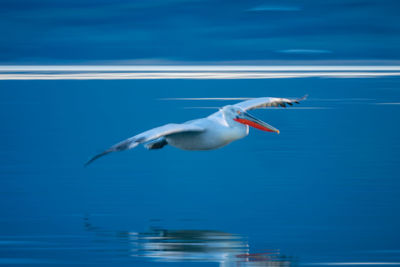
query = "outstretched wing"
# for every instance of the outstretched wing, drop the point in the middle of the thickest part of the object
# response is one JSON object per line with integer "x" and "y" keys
{"x": 147, "y": 136}
{"x": 268, "y": 102}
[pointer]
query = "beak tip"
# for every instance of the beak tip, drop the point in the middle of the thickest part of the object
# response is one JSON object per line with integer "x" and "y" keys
{"x": 278, "y": 132}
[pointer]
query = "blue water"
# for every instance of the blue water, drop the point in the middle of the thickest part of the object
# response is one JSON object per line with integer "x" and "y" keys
{"x": 326, "y": 190}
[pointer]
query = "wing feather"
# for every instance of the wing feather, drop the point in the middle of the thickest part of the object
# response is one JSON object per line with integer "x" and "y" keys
{"x": 147, "y": 136}
{"x": 263, "y": 102}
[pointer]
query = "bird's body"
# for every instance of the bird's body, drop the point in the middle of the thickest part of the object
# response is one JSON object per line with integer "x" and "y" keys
{"x": 218, "y": 134}
{"x": 229, "y": 124}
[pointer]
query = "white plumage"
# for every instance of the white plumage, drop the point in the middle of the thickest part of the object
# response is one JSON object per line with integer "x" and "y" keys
{"x": 229, "y": 124}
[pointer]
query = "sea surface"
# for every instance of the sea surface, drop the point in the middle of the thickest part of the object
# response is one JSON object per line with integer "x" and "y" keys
{"x": 326, "y": 191}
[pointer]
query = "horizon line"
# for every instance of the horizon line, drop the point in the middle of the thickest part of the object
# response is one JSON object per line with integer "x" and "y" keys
{"x": 184, "y": 68}
{"x": 189, "y": 75}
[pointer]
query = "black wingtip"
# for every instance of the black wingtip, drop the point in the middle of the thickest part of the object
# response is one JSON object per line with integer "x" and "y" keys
{"x": 96, "y": 157}
{"x": 304, "y": 97}
{"x": 297, "y": 101}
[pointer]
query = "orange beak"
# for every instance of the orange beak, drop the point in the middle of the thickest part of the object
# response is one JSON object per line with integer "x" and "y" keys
{"x": 246, "y": 118}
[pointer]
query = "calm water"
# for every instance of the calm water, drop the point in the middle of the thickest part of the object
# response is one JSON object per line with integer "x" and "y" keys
{"x": 326, "y": 190}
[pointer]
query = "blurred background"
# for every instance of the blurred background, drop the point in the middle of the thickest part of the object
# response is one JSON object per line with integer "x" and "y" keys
{"x": 323, "y": 192}
{"x": 170, "y": 31}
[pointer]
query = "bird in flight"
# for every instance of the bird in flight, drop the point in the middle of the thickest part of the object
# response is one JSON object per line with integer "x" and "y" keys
{"x": 229, "y": 124}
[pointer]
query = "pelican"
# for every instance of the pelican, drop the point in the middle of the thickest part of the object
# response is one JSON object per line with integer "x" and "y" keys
{"x": 229, "y": 124}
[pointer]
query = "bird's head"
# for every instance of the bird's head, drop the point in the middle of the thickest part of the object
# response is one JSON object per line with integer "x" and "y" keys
{"x": 238, "y": 115}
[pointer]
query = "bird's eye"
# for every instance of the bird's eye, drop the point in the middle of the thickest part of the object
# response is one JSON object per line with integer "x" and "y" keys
{"x": 238, "y": 112}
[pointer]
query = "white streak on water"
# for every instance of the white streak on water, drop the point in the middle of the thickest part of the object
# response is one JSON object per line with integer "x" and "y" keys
{"x": 191, "y": 75}
{"x": 268, "y": 108}
{"x": 19, "y": 68}
{"x": 202, "y": 108}
{"x": 294, "y": 108}
{"x": 353, "y": 263}
{"x": 246, "y": 98}
{"x": 208, "y": 98}
{"x": 124, "y": 72}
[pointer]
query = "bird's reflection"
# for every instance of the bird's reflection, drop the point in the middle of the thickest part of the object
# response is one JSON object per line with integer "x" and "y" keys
{"x": 165, "y": 245}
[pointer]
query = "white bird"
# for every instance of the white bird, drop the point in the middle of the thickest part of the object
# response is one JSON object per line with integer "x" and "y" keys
{"x": 229, "y": 124}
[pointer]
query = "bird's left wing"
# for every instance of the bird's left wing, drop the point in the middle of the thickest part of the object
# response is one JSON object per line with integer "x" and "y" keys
{"x": 147, "y": 136}
{"x": 268, "y": 102}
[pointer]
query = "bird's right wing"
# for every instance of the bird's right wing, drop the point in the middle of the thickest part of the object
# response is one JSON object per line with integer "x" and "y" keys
{"x": 263, "y": 102}
{"x": 148, "y": 136}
